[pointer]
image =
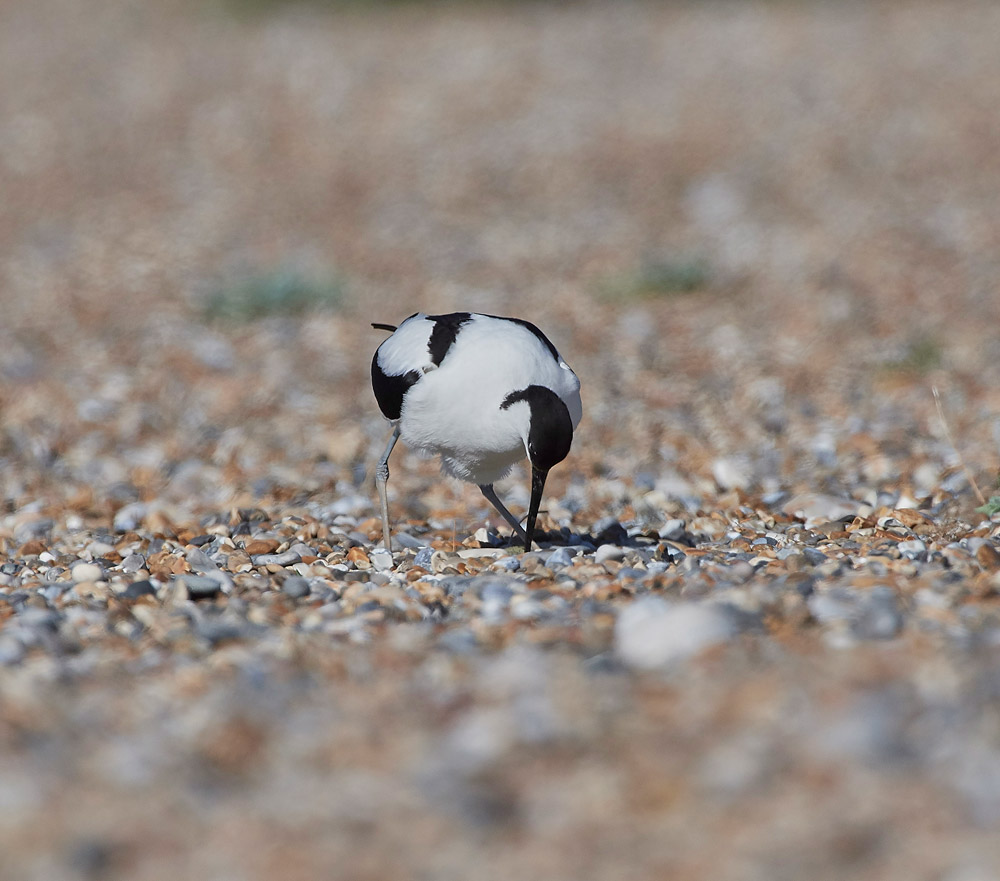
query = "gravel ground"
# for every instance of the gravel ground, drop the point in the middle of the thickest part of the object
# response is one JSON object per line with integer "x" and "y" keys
{"x": 761, "y": 636}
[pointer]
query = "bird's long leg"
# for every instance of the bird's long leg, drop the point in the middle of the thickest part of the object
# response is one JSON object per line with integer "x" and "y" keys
{"x": 381, "y": 479}
{"x": 491, "y": 496}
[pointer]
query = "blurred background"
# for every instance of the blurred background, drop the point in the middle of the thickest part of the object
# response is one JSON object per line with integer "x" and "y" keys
{"x": 761, "y": 231}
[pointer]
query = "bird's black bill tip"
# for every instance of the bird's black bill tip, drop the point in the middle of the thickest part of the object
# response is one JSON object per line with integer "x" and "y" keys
{"x": 378, "y": 326}
{"x": 538, "y": 476}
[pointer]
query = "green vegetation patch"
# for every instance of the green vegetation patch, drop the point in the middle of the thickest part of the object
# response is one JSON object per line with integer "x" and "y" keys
{"x": 661, "y": 277}
{"x": 991, "y": 507}
{"x": 921, "y": 355}
{"x": 284, "y": 291}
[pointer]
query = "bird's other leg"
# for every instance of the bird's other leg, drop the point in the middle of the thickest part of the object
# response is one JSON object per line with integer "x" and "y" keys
{"x": 381, "y": 479}
{"x": 491, "y": 496}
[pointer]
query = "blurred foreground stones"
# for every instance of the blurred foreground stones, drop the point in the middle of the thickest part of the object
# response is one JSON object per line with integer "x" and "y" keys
{"x": 759, "y": 639}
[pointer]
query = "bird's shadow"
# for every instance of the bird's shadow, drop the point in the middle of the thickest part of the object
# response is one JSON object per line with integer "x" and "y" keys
{"x": 610, "y": 534}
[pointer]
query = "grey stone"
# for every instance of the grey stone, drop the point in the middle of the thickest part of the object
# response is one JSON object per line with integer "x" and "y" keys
{"x": 199, "y": 561}
{"x": 460, "y": 641}
{"x": 407, "y": 541}
{"x": 814, "y": 556}
{"x": 558, "y": 559}
{"x": 494, "y": 590}
{"x": 138, "y": 589}
{"x": 296, "y": 587}
{"x": 509, "y": 564}
{"x": 133, "y": 563}
{"x": 423, "y": 558}
{"x": 201, "y": 586}
{"x": 878, "y": 615}
{"x": 11, "y": 649}
{"x": 39, "y": 619}
{"x": 52, "y": 592}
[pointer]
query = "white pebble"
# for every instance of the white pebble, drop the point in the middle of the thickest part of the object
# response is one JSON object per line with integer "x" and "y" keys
{"x": 87, "y": 572}
{"x": 381, "y": 559}
{"x": 608, "y": 552}
{"x": 652, "y": 633}
{"x": 730, "y": 474}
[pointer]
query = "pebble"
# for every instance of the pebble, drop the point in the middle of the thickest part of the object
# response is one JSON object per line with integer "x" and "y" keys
{"x": 138, "y": 589}
{"x": 424, "y": 557}
{"x": 608, "y": 552}
{"x": 836, "y": 604}
{"x": 129, "y": 517}
{"x": 558, "y": 559}
{"x": 201, "y": 586}
{"x": 913, "y": 549}
{"x": 133, "y": 563}
{"x": 878, "y": 615}
{"x": 287, "y": 558}
{"x": 508, "y": 564}
{"x": 11, "y": 649}
{"x": 87, "y": 572}
{"x": 817, "y": 507}
{"x": 730, "y": 474}
{"x": 407, "y": 541}
{"x": 814, "y": 556}
{"x": 494, "y": 590}
{"x": 200, "y": 561}
{"x": 672, "y": 530}
{"x": 296, "y": 587}
{"x": 652, "y": 633}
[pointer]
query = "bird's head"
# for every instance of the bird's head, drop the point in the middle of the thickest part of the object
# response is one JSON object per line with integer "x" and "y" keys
{"x": 547, "y": 439}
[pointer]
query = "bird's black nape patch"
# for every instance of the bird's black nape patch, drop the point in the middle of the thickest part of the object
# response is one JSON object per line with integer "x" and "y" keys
{"x": 446, "y": 328}
{"x": 389, "y": 389}
{"x": 527, "y": 325}
{"x": 550, "y": 433}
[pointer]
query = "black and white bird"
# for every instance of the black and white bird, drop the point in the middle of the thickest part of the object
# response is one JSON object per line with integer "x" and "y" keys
{"x": 480, "y": 391}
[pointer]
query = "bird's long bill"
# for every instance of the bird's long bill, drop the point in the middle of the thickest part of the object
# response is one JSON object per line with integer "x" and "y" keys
{"x": 538, "y": 476}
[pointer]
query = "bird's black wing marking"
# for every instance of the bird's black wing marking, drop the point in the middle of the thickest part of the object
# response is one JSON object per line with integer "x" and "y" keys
{"x": 378, "y": 326}
{"x": 390, "y": 389}
{"x": 527, "y": 325}
{"x": 446, "y": 328}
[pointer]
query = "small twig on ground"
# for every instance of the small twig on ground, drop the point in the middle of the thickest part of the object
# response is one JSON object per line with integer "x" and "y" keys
{"x": 951, "y": 440}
